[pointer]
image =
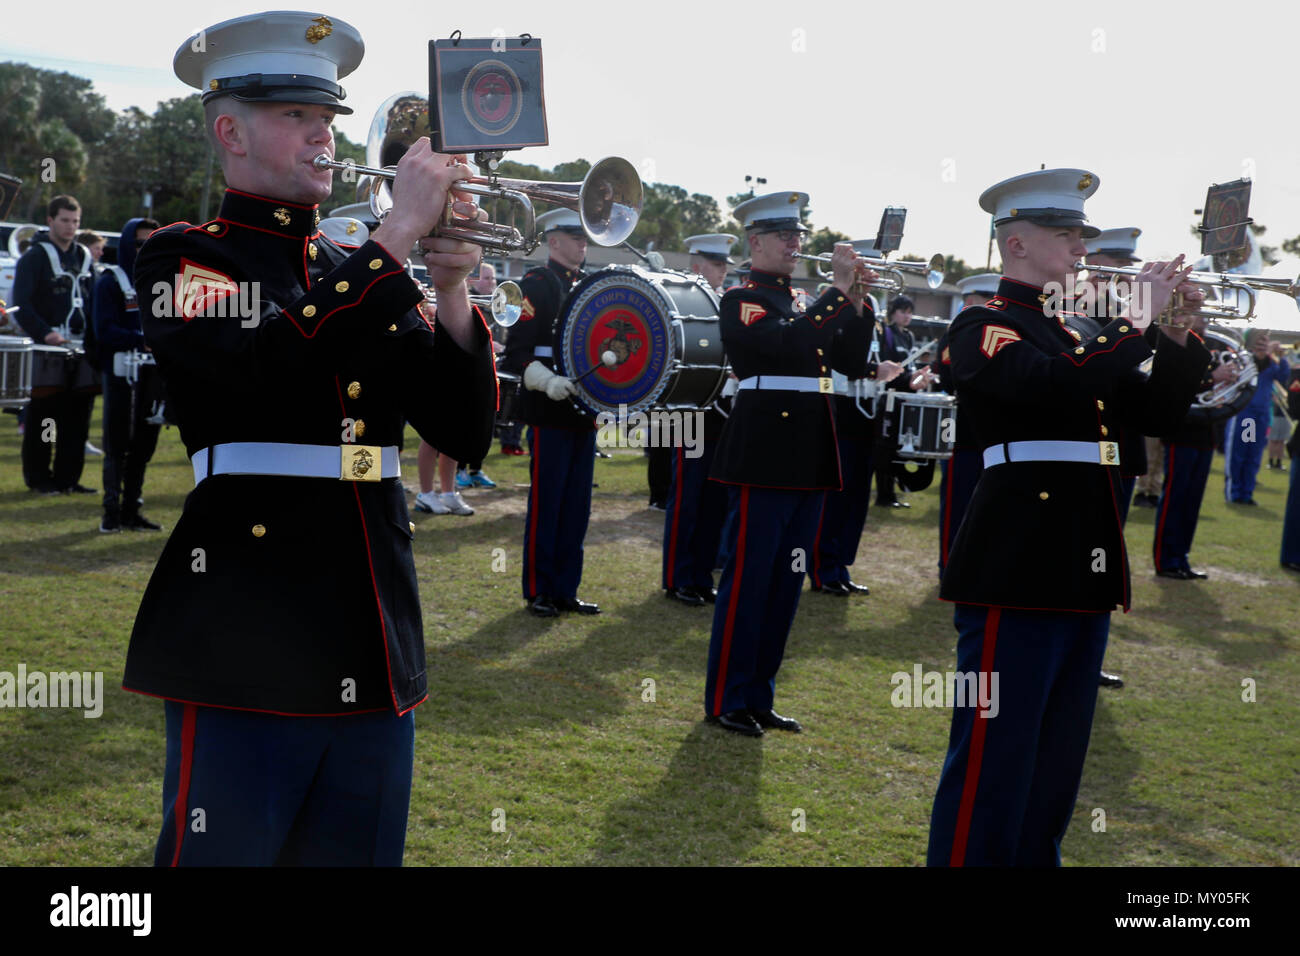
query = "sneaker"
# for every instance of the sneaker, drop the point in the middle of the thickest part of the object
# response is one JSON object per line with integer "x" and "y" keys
{"x": 463, "y": 479}
{"x": 138, "y": 522}
{"x": 109, "y": 524}
{"x": 92, "y": 450}
{"x": 480, "y": 480}
{"x": 453, "y": 503}
{"x": 430, "y": 502}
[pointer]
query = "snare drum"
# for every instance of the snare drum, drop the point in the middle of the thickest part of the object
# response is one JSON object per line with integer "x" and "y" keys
{"x": 663, "y": 330}
{"x": 924, "y": 424}
{"x": 15, "y": 371}
{"x": 62, "y": 368}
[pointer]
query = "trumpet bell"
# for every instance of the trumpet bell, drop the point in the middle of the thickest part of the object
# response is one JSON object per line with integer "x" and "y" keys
{"x": 935, "y": 271}
{"x": 610, "y": 201}
{"x": 507, "y": 303}
{"x": 21, "y": 238}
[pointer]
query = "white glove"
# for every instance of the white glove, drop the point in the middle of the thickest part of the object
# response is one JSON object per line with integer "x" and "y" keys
{"x": 558, "y": 388}
{"x": 539, "y": 378}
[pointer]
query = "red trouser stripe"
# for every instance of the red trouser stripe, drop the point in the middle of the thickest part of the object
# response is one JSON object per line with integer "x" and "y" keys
{"x": 677, "y": 517}
{"x": 181, "y": 808}
{"x": 534, "y": 506}
{"x": 1164, "y": 512}
{"x": 817, "y": 543}
{"x": 734, "y": 599}
{"x": 976, "y": 754}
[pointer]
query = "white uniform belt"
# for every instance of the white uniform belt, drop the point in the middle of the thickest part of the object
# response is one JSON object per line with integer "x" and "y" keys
{"x": 543, "y": 351}
{"x": 787, "y": 383}
{"x": 1082, "y": 452}
{"x": 340, "y": 462}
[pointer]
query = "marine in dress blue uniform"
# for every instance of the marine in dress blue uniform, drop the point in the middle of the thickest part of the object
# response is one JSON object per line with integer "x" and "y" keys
{"x": 858, "y": 381}
{"x": 959, "y": 474}
{"x": 282, "y": 625}
{"x": 1118, "y": 247}
{"x": 1039, "y": 561}
{"x": 561, "y": 436}
{"x": 696, "y": 507}
{"x": 777, "y": 455}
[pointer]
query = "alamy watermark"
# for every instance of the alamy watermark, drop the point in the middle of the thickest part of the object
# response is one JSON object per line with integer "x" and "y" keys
{"x": 82, "y": 690}
{"x": 946, "y": 689}
{"x": 658, "y": 429}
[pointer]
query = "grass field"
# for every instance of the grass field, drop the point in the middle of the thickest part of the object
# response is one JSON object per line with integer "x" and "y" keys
{"x": 546, "y": 721}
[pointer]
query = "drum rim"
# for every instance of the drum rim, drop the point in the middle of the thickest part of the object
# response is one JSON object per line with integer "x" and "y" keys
{"x": 587, "y": 289}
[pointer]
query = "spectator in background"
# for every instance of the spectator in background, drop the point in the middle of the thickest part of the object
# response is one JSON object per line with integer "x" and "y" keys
{"x": 447, "y": 501}
{"x": 1244, "y": 437}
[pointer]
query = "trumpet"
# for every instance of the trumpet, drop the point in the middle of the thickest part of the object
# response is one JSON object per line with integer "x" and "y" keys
{"x": 891, "y": 278}
{"x": 506, "y": 304}
{"x": 608, "y": 200}
{"x": 1240, "y": 285}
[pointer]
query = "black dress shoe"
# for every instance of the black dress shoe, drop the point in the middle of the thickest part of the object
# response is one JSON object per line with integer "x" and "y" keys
{"x": 79, "y": 490}
{"x": 857, "y": 588}
{"x": 1291, "y": 565}
{"x": 1178, "y": 574}
{"x": 770, "y": 718}
{"x": 709, "y": 594}
{"x": 686, "y": 596}
{"x": 1194, "y": 575}
{"x": 543, "y": 606}
{"x": 576, "y": 604}
{"x": 838, "y": 588}
{"x": 138, "y": 522}
{"x": 738, "y": 722}
{"x": 1110, "y": 680}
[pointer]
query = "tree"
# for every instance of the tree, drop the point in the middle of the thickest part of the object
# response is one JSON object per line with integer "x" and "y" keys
{"x": 52, "y": 122}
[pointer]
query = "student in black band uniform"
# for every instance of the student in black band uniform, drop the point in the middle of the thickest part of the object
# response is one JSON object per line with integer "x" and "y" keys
{"x": 53, "y": 295}
{"x": 896, "y": 345}
{"x": 129, "y": 438}
{"x": 1039, "y": 561}
{"x": 282, "y": 624}
{"x": 777, "y": 455}
{"x": 561, "y": 437}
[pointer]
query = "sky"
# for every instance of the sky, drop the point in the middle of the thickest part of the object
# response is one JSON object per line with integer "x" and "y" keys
{"x": 861, "y": 105}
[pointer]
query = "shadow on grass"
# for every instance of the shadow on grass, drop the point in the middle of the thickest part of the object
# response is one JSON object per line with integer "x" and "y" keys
{"x": 1192, "y": 608}
{"x": 704, "y": 812}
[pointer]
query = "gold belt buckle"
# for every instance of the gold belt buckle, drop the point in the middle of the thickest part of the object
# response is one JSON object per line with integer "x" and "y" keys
{"x": 825, "y": 386}
{"x": 361, "y": 462}
{"x": 1109, "y": 452}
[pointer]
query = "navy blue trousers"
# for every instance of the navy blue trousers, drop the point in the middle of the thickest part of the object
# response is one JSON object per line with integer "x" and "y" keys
{"x": 559, "y": 507}
{"x": 243, "y": 788}
{"x": 843, "y": 515}
{"x": 1009, "y": 781}
{"x": 771, "y": 541}
{"x": 1291, "y": 520}
{"x": 1187, "y": 470}
{"x": 1126, "y": 483}
{"x": 958, "y": 477}
{"x": 1241, "y": 458}
{"x": 693, "y": 521}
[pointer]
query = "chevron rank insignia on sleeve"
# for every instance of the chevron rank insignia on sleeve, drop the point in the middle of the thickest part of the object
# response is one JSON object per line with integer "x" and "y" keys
{"x": 997, "y": 337}
{"x": 751, "y": 312}
{"x": 199, "y": 287}
{"x": 528, "y": 310}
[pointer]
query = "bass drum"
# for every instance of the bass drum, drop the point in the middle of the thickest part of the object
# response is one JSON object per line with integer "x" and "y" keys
{"x": 662, "y": 328}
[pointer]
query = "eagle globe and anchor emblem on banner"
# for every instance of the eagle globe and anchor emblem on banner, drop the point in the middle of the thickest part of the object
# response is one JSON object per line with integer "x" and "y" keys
{"x": 620, "y": 311}
{"x": 492, "y": 97}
